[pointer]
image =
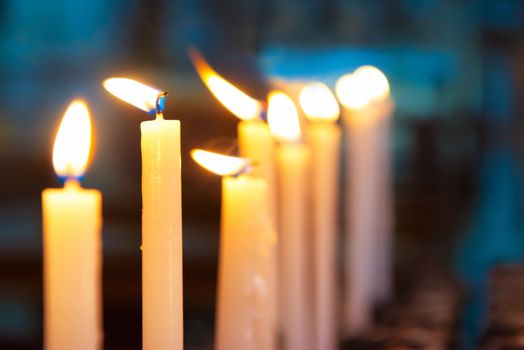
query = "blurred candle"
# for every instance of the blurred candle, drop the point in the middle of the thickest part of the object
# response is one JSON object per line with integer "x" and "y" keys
{"x": 321, "y": 109}
{"x": 162, "y": 308}
{"x": 72, "y": 224}
{"x": 255, "y": 142}
{"x": 365, "y": 98}
{"x": 242, "y": 319}
{"x": 292, "y": 166}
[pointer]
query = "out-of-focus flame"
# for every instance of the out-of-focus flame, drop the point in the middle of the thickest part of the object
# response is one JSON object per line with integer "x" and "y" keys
{"x": 73, "y": 141}
{"x": 220, "y": 164}
{"x": 282, "y": 117}
{"x": 350, "y": 93}
{"x": 374, "y": 81}
{"x": 319, "y": 103}
{"x": 366, "y": 85}
{"x": 137, "y": 94}
{"x": 235, "y": 100}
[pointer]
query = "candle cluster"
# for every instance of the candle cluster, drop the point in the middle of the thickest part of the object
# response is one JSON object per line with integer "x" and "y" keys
{"x": 279, "y": 235}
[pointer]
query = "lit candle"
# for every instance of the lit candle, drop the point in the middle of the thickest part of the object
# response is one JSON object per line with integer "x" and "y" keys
{"x": 323, "y": 134}
{"x": 292, "y": 166}
{"x": 162, "y": 312}
{"x": 244, "y": 262}
{"x": 72, "y": 224}
{"x": 255, "y": 142}
{"x": 364, "y": 95}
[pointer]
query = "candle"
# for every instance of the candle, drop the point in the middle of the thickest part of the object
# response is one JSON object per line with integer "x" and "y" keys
{"x": 363, "y": 95}
{"x": 292, "y": 166}
{"x": 321, "y": 109}
{"x": 255, "y": 142}
{"x": 72, "y": 224}
{"x": 242, "y": 320}
{"x": 162, "y": 312}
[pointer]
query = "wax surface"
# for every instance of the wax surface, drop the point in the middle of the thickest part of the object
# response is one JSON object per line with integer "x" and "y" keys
{"x": 324, "y": 140}
{"x": 368, "y": 245}
{"x": 257, "y": 143}
{"x": 292, "y": 164}
{"x": 246, "y": 241}
{"x": 72, "y": 223}
{"x": 162, "y": 309}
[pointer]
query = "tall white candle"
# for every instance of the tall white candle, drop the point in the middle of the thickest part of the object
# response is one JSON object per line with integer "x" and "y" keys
{"x": 242, "y": 321}
{"x": 162, "y": 301}
{"x": 292, "y": 166}
{"x": 72, "y": 224}
{"x": 367, "y": 245}
{"x": 324, "y": 136}
{"x": 255, "y": 142}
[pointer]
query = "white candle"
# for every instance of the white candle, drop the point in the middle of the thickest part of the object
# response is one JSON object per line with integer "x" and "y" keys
{"x": 324, "y": 135}
{"x": 292, "y": 165}
{"x": 256, "y": 143}
{"x": 242, "y": 320}
{"x": 162, "y": 300}
{"x": 72, "y": 224}
{"x": 384, "y": 272}
{"x": 368, "y": 246}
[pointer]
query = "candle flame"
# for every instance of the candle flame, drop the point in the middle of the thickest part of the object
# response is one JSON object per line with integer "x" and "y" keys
{"x": 375, "y": 81}
{"x": 137, "y": 94}
{"x": 282, "y": 117}
{"x": 366, "y": 85}
{"x": 319, "y": 103}
{"x": 232, "y": 98}
{"x": 73, "y": 141}
{"x": 220, "y": 164}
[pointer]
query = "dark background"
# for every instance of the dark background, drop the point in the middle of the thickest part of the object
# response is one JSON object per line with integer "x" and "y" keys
{"x": 456, "y": 71}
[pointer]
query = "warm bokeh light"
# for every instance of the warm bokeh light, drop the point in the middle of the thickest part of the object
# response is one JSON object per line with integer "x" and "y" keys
{"x": 374, "y": 81}
{"x": 365, "y": 85}
{"x": 319, "y": 103}
{"x": 73, "y": 141}
{"x": 349, "y": 92}
{"x": 236, "y": 101}
{"x": 134, "y": 93}
{"x": 282, "y": 117}
{"x": 219, "y": 163}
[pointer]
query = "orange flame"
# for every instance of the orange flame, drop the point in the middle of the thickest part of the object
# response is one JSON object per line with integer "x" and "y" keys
{"x": 235, "y": 100}
{"x": 73, "y": 141}
{"x": 319, "y": 103}
{"x": 282, "y": 117}
{"x": 220, "y": 164}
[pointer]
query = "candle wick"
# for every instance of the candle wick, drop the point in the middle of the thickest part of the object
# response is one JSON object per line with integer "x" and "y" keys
{"x": 159, "y": 104}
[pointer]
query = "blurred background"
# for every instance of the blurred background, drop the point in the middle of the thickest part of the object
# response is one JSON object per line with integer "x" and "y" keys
{"x": 456, "y": 69}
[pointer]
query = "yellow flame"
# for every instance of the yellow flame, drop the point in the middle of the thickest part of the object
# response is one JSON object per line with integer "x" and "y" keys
{"x": 319, "y": 103}
{"x": 73, "y": 141}
{"x": 134, "y": 93}
{"x": 365, "y": 85}
{"x": 374, "y": 81}
{"x": 235, "y": 100}
{"x": 282, "y": 117}
{"x": 349, "y": 92}
{"x": 219, "y": 163}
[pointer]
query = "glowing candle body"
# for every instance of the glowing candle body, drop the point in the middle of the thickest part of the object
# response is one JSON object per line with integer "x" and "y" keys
{"x": 321, "y": 109}
{"x": 361, "y": 220}
{"x": 324, "y": 140}
{"x": 385, "y": 244}
{"x": 244, "y": 266}
{"x": 367, "y": 212}
{"x": 292, "y": 165}
{"x": 162, "y": 309}
{"x": 256, "y": 143}
{"x": 72, "y": 223}
{"x": 365, "y": 97}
